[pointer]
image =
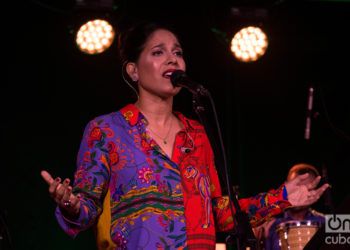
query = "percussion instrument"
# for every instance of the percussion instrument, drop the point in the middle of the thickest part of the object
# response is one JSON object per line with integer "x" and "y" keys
{"x": 295, "y": 234}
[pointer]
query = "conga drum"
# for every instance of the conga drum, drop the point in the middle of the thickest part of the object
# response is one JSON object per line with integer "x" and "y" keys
{"x": 296, "y": 234}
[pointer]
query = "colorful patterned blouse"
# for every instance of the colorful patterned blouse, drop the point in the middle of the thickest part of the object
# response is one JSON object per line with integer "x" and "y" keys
{"x": 156, "y": 202}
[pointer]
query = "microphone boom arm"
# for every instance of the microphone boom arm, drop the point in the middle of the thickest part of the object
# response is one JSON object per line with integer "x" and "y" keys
{"x": 197, "y": 90}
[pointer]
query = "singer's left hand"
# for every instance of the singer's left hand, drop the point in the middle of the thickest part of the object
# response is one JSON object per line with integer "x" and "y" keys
{"x": 303, "y": 193}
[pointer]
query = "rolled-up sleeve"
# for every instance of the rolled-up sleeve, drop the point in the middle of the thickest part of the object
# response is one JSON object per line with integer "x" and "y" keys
{"x": 259, "y": 208}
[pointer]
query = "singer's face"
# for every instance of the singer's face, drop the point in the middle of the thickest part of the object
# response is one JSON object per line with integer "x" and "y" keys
{"x": 162, "y": 54}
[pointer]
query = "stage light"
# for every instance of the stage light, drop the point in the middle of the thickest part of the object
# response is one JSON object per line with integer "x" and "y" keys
{"x": 249, "y": 44}
{"x": 95, "y": 36}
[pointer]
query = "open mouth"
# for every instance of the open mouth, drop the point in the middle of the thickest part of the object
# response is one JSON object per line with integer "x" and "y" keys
{"x": 167, "y": 74}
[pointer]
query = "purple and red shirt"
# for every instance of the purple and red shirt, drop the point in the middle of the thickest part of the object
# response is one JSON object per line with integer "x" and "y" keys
{"x": 156, "y": 201}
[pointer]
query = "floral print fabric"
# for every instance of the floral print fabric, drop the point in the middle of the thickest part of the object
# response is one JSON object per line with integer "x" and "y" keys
{"x": 156, "y": 201}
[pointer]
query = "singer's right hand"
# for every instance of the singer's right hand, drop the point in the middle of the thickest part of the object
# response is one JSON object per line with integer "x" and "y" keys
{"x": 62, "y": 194}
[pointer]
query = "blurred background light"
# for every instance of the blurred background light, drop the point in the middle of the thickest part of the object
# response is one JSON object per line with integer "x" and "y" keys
{"x": 249, "y": 44}
{"x": 95, "y": 36}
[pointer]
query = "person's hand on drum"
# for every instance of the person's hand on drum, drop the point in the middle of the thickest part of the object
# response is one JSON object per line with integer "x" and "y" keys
{"x": 303, "y": 191}
{"x": 62, "y": 194}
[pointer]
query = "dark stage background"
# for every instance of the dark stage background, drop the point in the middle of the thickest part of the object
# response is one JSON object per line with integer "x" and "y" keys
{"x": 51, "y": 90}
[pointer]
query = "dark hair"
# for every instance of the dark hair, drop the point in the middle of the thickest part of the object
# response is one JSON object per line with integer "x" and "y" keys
{"x": 133, "y": 40}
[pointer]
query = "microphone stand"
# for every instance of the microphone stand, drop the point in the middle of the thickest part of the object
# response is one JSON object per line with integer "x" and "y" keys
{"x": 242, "y": 232}
{"x": 310, "y": 114}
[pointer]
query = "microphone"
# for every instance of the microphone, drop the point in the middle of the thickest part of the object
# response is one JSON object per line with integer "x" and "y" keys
{"x": 179, "y": 79}
{"x": 310, "y": 100}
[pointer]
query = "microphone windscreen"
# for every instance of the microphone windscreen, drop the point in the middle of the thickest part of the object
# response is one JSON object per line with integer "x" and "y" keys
{"x": 177, "y": 77}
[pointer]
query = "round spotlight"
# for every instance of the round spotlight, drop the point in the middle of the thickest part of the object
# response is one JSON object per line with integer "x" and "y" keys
{"x": 249, "y": 44}
{"x": 95, "y": 36}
